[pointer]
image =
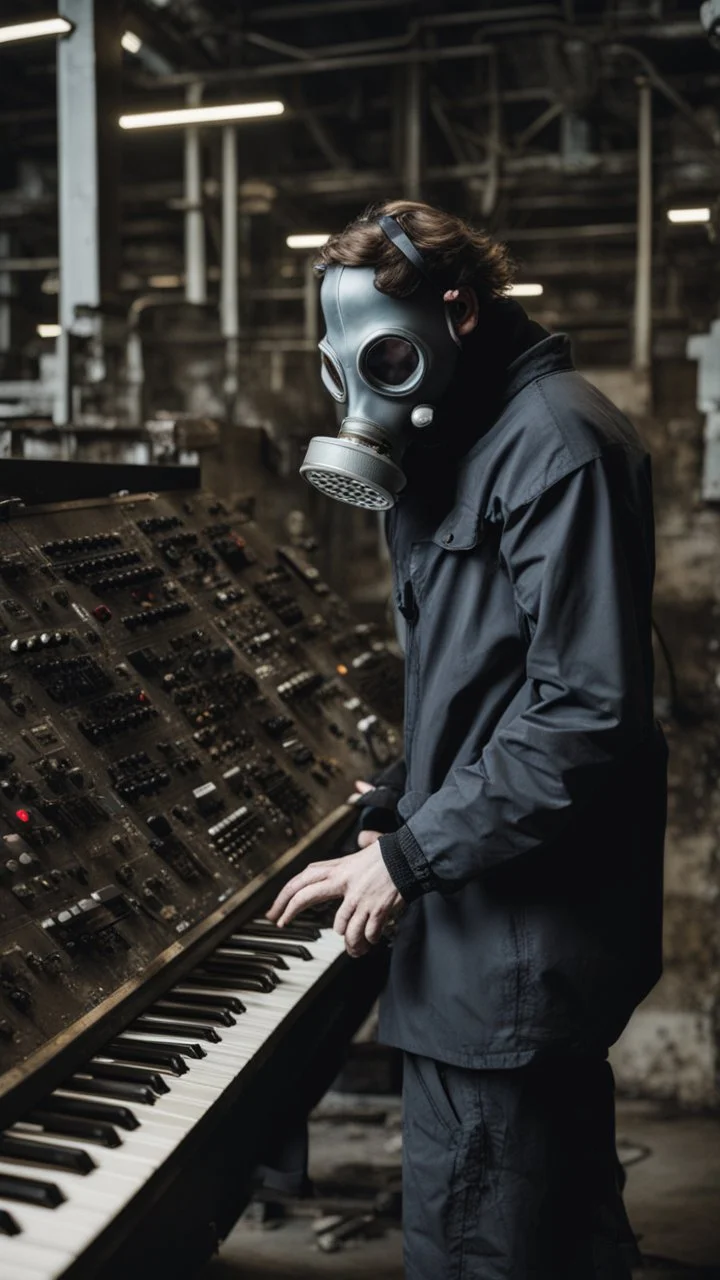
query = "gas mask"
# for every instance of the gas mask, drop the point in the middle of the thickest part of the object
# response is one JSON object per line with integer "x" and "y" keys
{"x": 387, "y": 362}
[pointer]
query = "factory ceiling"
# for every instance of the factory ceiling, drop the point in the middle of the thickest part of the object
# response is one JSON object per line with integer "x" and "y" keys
{"x": 524, "y": 116}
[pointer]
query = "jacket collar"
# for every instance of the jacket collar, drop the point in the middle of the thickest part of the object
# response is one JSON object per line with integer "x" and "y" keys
{"x": 551, "y": 355}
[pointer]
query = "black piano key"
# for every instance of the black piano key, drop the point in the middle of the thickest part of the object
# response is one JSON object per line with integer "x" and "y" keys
{"x": 244, "y": 962}
{"x": 119, "y": 1090}
{"x": 123, "y": 1071}
{"x": 295, "y": 949}
{"x": 98, "y": 1131}
{"x": 89, "y": 1110}
{"x": 35, "y": 1151}
{"x": 295, "y": 930}
{"x": 30, "y": 1191}
{"x": 194, "y": 992}
{"x": 243, "y": 953}
{"x": 170, "y": 1027}
{"x": 190, "y": 1011}
{"x": 221, "y": 977}
{"x": 236, "y": 966}
{"x": 8, "y": 1225}
{"x": 154, "y": 1055}
{"x": 314, "y": 915}
{"x": 186, "y": 1050}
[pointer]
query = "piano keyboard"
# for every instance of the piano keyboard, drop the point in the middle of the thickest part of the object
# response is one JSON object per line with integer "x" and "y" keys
{"x": 70, "y": 1165}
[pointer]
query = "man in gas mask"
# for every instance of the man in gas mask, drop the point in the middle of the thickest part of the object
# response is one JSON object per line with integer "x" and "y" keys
{"x": 524, "y": 871}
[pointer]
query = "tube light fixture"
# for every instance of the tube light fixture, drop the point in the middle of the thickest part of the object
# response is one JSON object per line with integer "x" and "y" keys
{"x": 202, "y": 115}
{"x": 130, "y": 42}
{"x": 315, "y": 241}
{"x": 689, "y": 215}
{"x": 33, "y": 30}
{"x": 49, "y": 330}
{"x": 525, "y": 290}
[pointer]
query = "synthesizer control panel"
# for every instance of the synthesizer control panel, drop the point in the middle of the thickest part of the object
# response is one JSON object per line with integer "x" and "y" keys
{"x": 180, "y": 702}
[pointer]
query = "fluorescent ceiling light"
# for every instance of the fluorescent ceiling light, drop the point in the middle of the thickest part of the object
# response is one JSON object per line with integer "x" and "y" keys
{"x": 525, "y": 290}
{"x": 131, "y": 42}
{"x": 315, "y": 241}
{"x": 689, "y": 215}
{"x": 202, "y": 115}
{"x": 49, "y": 330}
{"x": 165, "y": 282}
{"x": 32, "y": 30}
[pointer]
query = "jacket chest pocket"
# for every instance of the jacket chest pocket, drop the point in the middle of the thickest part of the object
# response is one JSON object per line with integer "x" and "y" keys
{"x": 440, "y": 560}
{"x": 462, "y": 530}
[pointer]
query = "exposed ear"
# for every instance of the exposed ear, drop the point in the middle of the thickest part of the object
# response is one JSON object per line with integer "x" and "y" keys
{"x": 464, "y": 309}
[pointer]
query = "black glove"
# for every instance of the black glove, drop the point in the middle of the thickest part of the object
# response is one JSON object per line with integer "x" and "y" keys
{"x": 379, "y": 806}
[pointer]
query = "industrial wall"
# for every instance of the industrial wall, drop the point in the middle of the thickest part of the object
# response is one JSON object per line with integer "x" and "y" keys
{"x": 672, "y": 1046}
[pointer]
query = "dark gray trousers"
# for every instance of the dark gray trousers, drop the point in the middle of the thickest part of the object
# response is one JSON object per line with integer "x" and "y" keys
{"x": 512, "y": 1175}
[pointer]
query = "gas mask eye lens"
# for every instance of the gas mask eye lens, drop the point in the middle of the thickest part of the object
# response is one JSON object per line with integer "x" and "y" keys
{"x": 391, "y": 362}
{"x": 332, "y": 376}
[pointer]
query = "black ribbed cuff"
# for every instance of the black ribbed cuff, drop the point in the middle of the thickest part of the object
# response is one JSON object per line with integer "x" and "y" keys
{"x": 399, "y": 868}
{"x": 394, "y": 848}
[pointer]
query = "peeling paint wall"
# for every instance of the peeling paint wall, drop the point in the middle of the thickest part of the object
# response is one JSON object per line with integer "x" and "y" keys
{"x": 671, "y": 1048}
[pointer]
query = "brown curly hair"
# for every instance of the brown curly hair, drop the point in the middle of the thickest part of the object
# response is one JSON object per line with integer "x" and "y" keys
{"x": 459, "y": 253}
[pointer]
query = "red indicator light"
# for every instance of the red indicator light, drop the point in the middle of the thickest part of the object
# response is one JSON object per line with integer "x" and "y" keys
{"x": 22, "y": 815}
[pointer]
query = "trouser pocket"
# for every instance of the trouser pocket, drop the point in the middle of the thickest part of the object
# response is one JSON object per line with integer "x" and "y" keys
{"x": 431, "y": 1080}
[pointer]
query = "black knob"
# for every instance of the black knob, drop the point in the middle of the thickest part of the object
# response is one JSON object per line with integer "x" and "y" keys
{"x": 159, "y": 825}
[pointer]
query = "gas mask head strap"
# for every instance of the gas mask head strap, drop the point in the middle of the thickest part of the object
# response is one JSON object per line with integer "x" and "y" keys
{"x": 402, "y": 241}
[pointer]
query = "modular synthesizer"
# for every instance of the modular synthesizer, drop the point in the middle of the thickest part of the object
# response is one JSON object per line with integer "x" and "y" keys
{"x": 181, "y": 702}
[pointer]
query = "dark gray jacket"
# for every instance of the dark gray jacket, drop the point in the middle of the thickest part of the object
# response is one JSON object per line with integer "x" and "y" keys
{"x": 534, "y": 804}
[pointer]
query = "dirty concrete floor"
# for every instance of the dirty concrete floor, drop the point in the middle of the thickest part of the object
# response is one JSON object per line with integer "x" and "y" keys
{"x": 673, "y": 1197}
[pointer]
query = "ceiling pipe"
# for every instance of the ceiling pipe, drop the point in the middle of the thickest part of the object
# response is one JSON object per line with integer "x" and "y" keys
{"x": 659, "y": 82}
{"x": 521, "y": 13}
{"x": 284, "y": 12}
{"x": 317, "y": 66}
{"x": 277, "y": 46}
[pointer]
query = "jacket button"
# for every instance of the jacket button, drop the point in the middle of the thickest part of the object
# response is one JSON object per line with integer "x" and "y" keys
{"x": 449, "y": 537}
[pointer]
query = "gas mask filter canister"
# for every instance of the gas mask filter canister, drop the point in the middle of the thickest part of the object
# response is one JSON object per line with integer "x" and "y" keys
{"x": 387, "y": 362}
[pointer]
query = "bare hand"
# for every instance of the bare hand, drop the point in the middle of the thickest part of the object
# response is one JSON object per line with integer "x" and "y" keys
{"x": 369, "y": 897}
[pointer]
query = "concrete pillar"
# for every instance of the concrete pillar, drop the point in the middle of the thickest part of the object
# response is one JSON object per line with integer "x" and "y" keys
{"x": 229, "y": 296}
{"x": 88, "y": 88}
{"x": 195, "y": 272}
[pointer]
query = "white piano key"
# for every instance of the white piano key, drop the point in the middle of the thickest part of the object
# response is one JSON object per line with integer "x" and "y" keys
{"x": 28, "y": 1261}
